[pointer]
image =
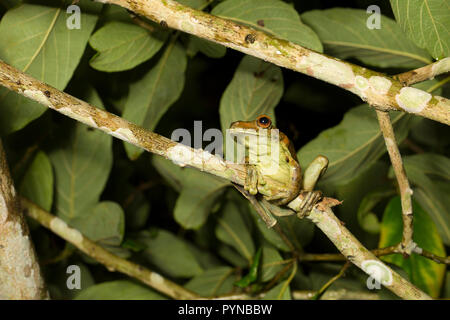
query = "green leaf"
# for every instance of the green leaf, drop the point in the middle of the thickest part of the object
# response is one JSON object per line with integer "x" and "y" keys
{"x": 430, "y": 173}
{"x": 344, "y": 34}
{"x": 82, "y": 161}
{"x": 252, "y": 274}
{"x": 170, "y": 254}
{"x": 172, "y": 173}
{"x": 208, "y": 48}
{"x": 198, "y": 195}
{"x": 122, "y": 46}
{"x": 36, "y": 40}
{"x": 269, "y": 233}
{"x": 426, "y": 22}
{"x": 119, "y": 290}
{"x": 231, "y": 255}
{"x": 196, "y": 4}
{"x": 256, "y": 88}
{"x": 271, "y": 263}
{"x": 353, "y": 145}
{"x": 213, "y": 282}
{"x": 366, "y": 218}
{"x": 232, "y": 230}
{"x": 271, "y": 16}
{"x": 37, "y": 184}
{"x": 105, "y": 224}
{"x": 150, "y": 97}
{"x": 279, "y": 292}
{"x": 425, "y": 273}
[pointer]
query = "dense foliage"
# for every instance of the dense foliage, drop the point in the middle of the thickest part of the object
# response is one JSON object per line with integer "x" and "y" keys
{"x": 192, "y": 227}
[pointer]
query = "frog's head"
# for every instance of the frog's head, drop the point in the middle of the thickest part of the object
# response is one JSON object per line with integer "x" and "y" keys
{"x": 252, "y": 133}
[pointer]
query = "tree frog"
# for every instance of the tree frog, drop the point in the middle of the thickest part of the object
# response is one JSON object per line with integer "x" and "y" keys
{"x": 273, "y": 170}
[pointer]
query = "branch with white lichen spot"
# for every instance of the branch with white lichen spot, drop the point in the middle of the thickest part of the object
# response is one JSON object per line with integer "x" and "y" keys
{"x": 377, "y": 89}
{"x": 109, "y": 260}
{"x": 407, "y": 244}
{"x": 425, "y": 73}
{"x": 324, "y": 218}
{"x": 20, "y": 275}
{"x": 182, "y": 155}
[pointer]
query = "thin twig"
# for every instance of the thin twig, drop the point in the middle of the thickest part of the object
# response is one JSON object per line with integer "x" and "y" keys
{"x": 109, "y": 260}
{"x": 331, "y": 281}
{"x": 384, "y": 120}
{"x": 428, "y": 72}
{"x": 319, "y": 257}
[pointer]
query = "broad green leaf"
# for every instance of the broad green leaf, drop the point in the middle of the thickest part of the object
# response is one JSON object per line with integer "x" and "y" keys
{"x": 150, "y": 97}
{"x": 37, "y": 184}
{"x": 172, "y": 173}
{"x": 119, "y": 290}
{"x": 366, "y": 218}
{"x": 170, "y": 254}
{"x": 122, "y": 46}
{"x": 104, "y": 224}
{"x": 426, "y": 22}
{"x": 430, "y": 174}
{"x": 353, "y": 145}
{"x": 137, "y": 212}
{"x": 269, "y": 233}
{"x": 231, "y": 255}
{"x": 279, "y": 292}
{"x": 344, "y": 33}
{"x": 213, "y": 282}
{"x": 82, "y": 161}
{"x": 425, "y": 273}
{"x": 271, "y": 16}
{"x": 59, "y": 275}
{"x": 256, "y": 89}
{"x": 206, "y": 259}
{"x": 232, "y": 229}
{"x": 36, "y": 40}
{"x": 271, "y": 263}
{"x": 299, "y": 231}
{"x": 198, "y": 195}
{"x": 196, "y": 4}
{"x": 208, "y": 48}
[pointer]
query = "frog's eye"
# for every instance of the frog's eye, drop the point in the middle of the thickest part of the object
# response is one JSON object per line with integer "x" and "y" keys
{"x": 264, "y": 121}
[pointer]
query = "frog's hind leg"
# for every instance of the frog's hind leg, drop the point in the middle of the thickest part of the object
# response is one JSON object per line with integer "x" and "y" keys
{"x": 263, "y": 212}
{"x": 251, "y": 180}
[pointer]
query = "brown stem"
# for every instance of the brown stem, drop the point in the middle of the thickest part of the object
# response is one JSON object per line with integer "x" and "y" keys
{"x": 407, "y": 244}
{"x": 428, "y": 72}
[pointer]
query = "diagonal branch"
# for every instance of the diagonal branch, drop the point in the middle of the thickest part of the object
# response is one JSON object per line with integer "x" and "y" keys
{"x": 182, "y": 155}
{"x": 428, "y": 72}
{"x": 20, "y": 275}
{"x": 407, "y": 244}
{"x": 111, "y": 261}
{"x": 377, "y": 89}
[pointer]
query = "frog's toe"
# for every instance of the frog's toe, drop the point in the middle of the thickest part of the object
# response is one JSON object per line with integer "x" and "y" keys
{"x": 309, "y": 201}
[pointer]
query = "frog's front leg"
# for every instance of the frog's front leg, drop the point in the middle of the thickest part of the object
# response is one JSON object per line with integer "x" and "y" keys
{"x": 251, "y": 180}
{"x": 313, "y": 172}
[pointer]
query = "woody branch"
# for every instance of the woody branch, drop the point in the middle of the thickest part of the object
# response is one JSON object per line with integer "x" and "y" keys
{"x": 79, "y": 110}
{"x": 377, "y": 89}
{"x": 20, "y": 275}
